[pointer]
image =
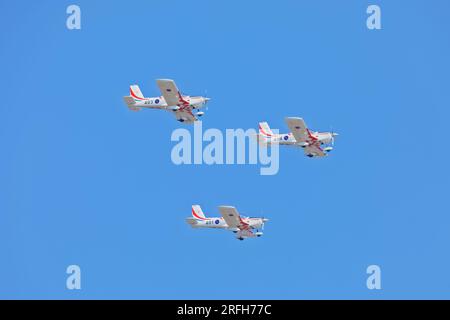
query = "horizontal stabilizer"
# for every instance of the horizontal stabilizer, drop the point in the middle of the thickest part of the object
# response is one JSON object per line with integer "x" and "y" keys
{"x": 192, "y": 221}
{"x": 262, "y": 140}
{"x": 130, "y": 102}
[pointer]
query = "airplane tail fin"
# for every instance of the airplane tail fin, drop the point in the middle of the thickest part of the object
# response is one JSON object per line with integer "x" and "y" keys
{"x": 136, "y": 93}
{"x": 265, "y": 130}
{"x": 197, "y": 212}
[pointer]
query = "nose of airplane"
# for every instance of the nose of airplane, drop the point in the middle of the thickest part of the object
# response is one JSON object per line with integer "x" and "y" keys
{"x": 265, "y": 220}
{"x": 206, "y": 99}
{"x": 335, "y": 134}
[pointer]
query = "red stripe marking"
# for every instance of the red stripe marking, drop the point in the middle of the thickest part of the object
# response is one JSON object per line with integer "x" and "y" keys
{"x": 311, "y": 136}
{"x": 184, "y": 102}
{"x": 244, "y": 225}
{"x": 197, "y": 216}
{"x": 135, "y": 96}
{"x": 263, "y": 132}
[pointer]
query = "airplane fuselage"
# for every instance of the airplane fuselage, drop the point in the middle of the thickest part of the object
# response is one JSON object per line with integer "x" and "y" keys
{"x": 219, "y": 223}
{"x": 288, "y": 139}
{"x": 160, "y": 103}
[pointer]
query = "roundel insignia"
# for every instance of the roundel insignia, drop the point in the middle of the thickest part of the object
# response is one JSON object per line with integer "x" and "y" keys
{"x": 217, "y": 221}
{"x": 286, "y": 138}
{"x": 157, "y": 101}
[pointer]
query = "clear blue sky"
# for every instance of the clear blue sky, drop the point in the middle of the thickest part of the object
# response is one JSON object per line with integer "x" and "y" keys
{"x": 84, "y": 181}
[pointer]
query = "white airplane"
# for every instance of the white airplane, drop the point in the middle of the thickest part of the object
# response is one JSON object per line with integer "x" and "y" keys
{"x": 171, "y": 100}
{"x": 244, "y": 227}
{"x": 300, "y": 136}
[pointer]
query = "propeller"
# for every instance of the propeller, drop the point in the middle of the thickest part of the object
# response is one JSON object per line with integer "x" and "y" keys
{"x": 333, "y": 134}
{"x": 207, "y": 99}
{"x": 264, "y": 220}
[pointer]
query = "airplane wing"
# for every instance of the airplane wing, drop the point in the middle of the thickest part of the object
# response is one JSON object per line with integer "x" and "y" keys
{"x": 169, "y": 91}
{"x": 232, "y": 218}
{"x": 246, "y": 234}
{"x": 298, "y": 129}
{"x": 315, "y": 150}
{"x": 185, "y": 115}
